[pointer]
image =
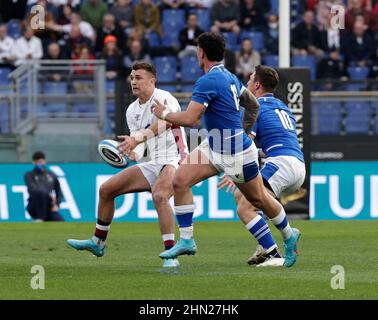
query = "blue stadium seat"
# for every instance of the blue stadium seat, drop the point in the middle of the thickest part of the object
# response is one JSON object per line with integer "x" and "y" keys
{"x": 110, "y": 86}
{"x": 153, "y": 39}
{"x": 357, "y": 73}
{"x": 110, "y": 106}
{"x": 305, "y": 61}
{"x": 231, "y": 41}
{"x": 190, "y": 72}
{"x": 84, "y": 107}
{"x": 359, "y": 115}
{"x": 173, "y": 19}
{"x": 256, "y": 37}
{"x": 271, "y": 61}
{"x": 4, "y": 80}
{"x": 170, "y": 38}
{"x": 53, "y": 88}
{"x": 203, "y": 17}
{"x": 166, "y": 68}
{"x": 274, "y": 6}
{"x": 14, "y": 29}
{"x": 329, "y": 117}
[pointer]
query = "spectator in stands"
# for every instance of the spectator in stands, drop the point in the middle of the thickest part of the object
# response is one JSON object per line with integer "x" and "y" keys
{"x": 246, "y": 60}
{"x": 306, "y": 37}
{"x": 225, "y": 16}
{"x": 75, "y": 20}
{"x": 271, "y": 35}
{"x": 93, "y": 11}
{"x": 46, "y": 35}
{"x": 136, "y": 33}
{"x": 123, "y": 11}
{"x": 147, "y": 17}
{"x": 201, "y": 4}
{"x": 173, "y": 4}
{"x": 189, "y": 36}
{"x": 44, "y": 191}
{"x": 331, "y": 67}
{"x": 359, "y": 46}
{"x": 136, "y": 54}
{"x": 323, "y": 12}
{"x": 74, "y": 4}
{"x": 54, "y": 53}
{"x": 64, "y": 14}
{"x": 6, "y": 47}
{"x": 113, "y": 57}
{"x": 109, "y": 27}
{"x": 356, "y": 8}
{"x": 75, "y": 41}
{"x": 12, "y": 9}
{"x": 251, "y": 15}
{"x": 85, "y": 69}
{"x": 330, "y": 38}
{"x": 27, "y": 47}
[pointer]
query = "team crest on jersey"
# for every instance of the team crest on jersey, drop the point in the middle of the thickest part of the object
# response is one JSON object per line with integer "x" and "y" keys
{"x": 137, "y": 117}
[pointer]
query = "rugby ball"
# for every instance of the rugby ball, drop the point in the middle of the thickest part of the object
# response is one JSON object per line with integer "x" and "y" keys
{"x": 111, "y": 155}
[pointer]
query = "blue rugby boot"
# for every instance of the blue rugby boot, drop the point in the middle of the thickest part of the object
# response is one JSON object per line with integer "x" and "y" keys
{"x": 88, "y": 245}
{"x": 171, "y": 263}
{"x": 290, "y": 246}
{"x": 183, "y": 246}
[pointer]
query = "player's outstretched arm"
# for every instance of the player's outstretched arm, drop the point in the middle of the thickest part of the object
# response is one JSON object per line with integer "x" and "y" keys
{"x": 189, "y": 118}
{"x": 251, "y": 105}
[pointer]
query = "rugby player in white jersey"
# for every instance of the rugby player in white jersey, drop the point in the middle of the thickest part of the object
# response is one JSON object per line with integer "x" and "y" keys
{"x": 167, "y": 147}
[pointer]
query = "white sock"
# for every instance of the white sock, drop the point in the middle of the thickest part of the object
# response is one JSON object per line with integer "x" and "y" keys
{"x": 168, "y": 236}
{"x": 98, "y": 241}
{"x": 282, "y": 224}
{"x": 186, "y": 232}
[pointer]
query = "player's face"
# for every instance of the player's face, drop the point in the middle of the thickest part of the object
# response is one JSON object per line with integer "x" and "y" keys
{"x": 252, "y": 85}
{"x": 141, "y": 81}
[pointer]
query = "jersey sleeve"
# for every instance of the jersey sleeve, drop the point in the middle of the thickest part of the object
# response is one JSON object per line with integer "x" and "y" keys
{"x": 204, "y": 91}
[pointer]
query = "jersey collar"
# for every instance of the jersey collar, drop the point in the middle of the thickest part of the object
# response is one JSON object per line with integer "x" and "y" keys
{"x": 218, "y": 65}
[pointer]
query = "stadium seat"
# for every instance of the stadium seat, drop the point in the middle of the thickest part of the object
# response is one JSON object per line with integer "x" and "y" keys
{"x": 204, "y": 18}
{"x": 358, "y": 117}
{"x": 14, "y": 29}
{"x": 110, "y": 86}
{"x": 357, "y": 73}
{"x": 305, "y": 61}
{"x": 271, "y": 61}
{"x": 4, "y": 117}
{"x": 256, "y": 37}
{"x": 190, "y": 72}
{"x": 84, "y": 107}
{"x": 166, "y": 68}
{"x": 231, "y": 41}
{"x": 170, "y": 38}
{"x": 173, "y": 19}
{"x": 4, "y": 80}
{"x": 274, "y": 6}
{"x": 153, "y": 39}
{"x": 329, "y": 117}
{"x": 110, "y": 106}
{"x": 50, "y": 89}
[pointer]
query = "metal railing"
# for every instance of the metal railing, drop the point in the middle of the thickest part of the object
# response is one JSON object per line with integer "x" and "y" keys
{"x": 31, "y": 102}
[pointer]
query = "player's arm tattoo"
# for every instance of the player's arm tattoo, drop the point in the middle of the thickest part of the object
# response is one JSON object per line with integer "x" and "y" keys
{"x": 251, "y": 105}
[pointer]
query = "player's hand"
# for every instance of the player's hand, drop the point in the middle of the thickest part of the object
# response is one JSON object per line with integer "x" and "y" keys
{"x": 158, "y": 108}
{"x": 127, "y": 145}
{"x": 226, "y": 182}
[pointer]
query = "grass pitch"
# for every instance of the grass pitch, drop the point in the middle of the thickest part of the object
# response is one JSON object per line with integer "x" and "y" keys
{"x": 131, "y": 268}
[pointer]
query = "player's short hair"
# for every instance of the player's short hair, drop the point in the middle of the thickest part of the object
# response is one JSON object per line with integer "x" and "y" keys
{"x": 267, "y": 76}
{"x": 213, "y": 44}
{"x": 38, "y": 155}
{"x": 145, "y": 66}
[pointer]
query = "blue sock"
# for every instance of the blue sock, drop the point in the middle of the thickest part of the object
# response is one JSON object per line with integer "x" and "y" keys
{"x": 260, "y": 230}
{"x": 184, "y": 215}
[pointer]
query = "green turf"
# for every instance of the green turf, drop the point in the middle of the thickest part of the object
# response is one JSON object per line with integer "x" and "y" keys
{"x": 131, "y": 268}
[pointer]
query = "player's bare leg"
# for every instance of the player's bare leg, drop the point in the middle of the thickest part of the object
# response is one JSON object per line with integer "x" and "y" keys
{"x": 256, "y": 193}
{"x": 195, "y": 168}
{"x": 128, "y": 181}
{"x": 161, "y": 193}
{"x": 267, "y": 248}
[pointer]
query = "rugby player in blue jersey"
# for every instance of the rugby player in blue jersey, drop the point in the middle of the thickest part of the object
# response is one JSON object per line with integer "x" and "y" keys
{"x": 218, "y": 95}
{"x": 284, "y": 169}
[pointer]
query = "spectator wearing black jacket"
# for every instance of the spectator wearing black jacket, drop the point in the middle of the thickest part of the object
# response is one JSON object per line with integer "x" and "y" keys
{"x": 188, "y": 37}
{"x": 331, "y": 68}
{"x": 306, "y": 37}
{"x": 109, "y": 27}
{"x": 44, "y": 191}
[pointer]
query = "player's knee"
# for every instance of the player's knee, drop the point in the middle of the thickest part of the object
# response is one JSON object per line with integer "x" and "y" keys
{"x": 106, "y": 191}
{"x": 180, "y": 183}
{"x": 159, "y": 198}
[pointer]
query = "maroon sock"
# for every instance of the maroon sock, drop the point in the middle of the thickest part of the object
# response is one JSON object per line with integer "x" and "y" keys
{"x": 168, "y": 244}
{"x": 102, "y": 229}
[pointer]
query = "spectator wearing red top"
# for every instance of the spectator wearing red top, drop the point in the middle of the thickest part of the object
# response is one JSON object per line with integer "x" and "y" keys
{"x": 86, "y": 68}
{"x": 356, "y": 8}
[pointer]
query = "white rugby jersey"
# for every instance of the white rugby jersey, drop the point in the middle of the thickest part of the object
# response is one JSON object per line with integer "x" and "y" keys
{"x": 168, "y": 145}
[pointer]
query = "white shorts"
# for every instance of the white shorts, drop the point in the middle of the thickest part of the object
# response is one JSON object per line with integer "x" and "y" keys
{"x": 285, "y": 174}
{"x": 240, "y": 167}
{"x": 151, "y": 170}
